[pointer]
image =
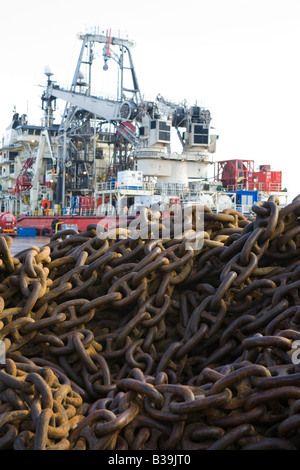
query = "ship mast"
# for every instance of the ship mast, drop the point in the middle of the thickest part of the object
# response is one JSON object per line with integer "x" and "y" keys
{"x": 48, "y": 106}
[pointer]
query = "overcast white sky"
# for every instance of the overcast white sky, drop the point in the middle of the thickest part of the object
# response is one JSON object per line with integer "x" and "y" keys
{"x": 239, "y": 58}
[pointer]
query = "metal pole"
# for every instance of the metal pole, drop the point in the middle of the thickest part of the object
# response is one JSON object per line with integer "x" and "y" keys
{"x": 64, "y": 170}
{"x": 94, "y": 167}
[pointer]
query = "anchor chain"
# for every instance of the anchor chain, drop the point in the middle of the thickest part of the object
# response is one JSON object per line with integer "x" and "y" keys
{"x": 125, "y": 342}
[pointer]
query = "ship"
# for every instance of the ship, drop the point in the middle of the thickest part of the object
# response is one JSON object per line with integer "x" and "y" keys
{"x": 113, "y": 155}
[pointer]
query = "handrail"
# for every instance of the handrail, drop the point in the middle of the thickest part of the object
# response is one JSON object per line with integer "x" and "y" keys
{"x": 102, "y": 187}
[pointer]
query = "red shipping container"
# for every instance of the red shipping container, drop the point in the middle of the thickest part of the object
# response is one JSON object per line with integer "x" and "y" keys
{"x": 267, "y": 181}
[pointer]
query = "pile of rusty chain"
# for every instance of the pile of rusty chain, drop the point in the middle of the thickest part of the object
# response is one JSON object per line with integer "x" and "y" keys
{"x": 131, "y": 343}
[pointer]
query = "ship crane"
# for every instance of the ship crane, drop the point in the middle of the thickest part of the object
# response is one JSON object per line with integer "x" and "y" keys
{"x": 169, "y": 109}
{"x": 111, "y": 111}
{"x": 106, "y": 109}
{"x": 191, "y": 119}
{"x": 124, "y": 107}
{"x": 81, "y": 102}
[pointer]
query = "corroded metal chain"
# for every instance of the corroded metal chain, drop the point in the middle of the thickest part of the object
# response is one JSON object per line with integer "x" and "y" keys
{"x": 120, "y": 342}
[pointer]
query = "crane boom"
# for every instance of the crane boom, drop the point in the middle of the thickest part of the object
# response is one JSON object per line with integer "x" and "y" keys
{"x": 102, "y": 108}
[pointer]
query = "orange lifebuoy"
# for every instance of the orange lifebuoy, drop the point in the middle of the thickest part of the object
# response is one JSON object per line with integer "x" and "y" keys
{"x": 46, "y": 204}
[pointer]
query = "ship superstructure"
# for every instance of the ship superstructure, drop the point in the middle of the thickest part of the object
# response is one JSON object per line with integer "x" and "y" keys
{"x": 102, "y": 136}
{"x": 27, "y": 164}
{"x": 111, "y": 152}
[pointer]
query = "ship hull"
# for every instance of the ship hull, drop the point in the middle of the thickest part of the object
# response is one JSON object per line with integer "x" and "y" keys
{"x": 50, "y": 224}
